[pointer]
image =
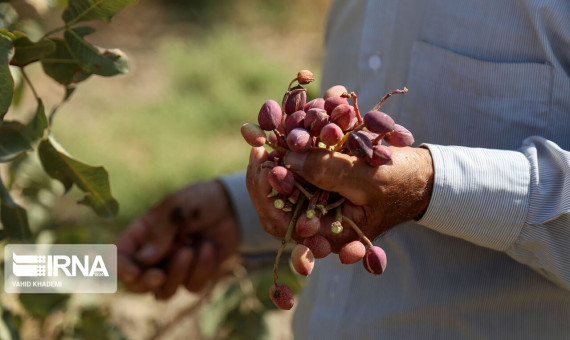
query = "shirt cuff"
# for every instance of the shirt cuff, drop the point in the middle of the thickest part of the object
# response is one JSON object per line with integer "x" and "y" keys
{"x": 254, "y": 238}
{"x": 479, "y": 195}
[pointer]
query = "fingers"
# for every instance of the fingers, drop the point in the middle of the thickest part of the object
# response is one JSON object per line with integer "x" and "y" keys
{"x": 253, "y": 180}
{"x": 273, "y": 220}
{"x": 127, "y": 245}
{"x": 159, "y": 238}
{"x": 335, "y": 172}
{"x": 176, "y": 271}
{"x": 226, "y": 237}
{"x": 127, "y": 270}
{"x": 203, "y": 205}
{"x": 190, "y": 210}
{"x": 130, "y": 240}
{"x": 149, "y": 281}
{"x": 205, "y": 268}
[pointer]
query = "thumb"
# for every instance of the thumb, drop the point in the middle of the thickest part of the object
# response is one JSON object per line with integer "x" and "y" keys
{"x": 333, "y": 171}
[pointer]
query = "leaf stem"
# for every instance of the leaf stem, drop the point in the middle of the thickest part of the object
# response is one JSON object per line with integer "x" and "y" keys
{"x": 72, "y": 22}
{"x": 85, "y": 12}
{"x": 25, "y": 75}
{"x": 68, "y": 92}
{"x": 55, "y": 30}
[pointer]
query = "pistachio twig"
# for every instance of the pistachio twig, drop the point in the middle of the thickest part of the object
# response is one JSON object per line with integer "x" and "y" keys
{"x": 335, "y": 204}
{"x": 355, "y": 104}
{"x": 357, "y": 230}
{"x": 287, "y": 238}
{"x": 303, "y": 190}
{"x": 388, "y": 95}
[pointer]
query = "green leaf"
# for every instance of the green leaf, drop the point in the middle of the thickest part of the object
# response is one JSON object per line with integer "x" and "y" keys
{"x": 27, "y": 52}
{"x": 34, "y": 130}
{"x": 246, "y": 324}
{"x": 18, "y": 92}
{"x": 213, "y": 316}
{"x": 6, "y": 80}
{"x": 94, "y": 181}
{"x": 95, "y": 323}
{"x": 14, "y": 218}
{"x": 41, "y": 305}
{"x": 83, "y": 10}
{"x": 12, "y": 141}
{"x": 8, "y": 34}
{"x": 106, "y": 63}
{"x": 62, "y": 66}
{"x": 9, "y": 325}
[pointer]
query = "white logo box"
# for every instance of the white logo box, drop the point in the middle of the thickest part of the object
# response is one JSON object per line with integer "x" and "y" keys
{"x": 60, "y": 268}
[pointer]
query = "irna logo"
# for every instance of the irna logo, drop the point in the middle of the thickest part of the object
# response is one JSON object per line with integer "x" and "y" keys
{"x": 56, "y": 265}
{"x": 60, "y": 268}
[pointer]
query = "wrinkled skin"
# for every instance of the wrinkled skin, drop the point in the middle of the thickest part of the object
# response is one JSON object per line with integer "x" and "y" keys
{"x": 181, "y": 241}
{"x": 184, "y": 239}
{"x": 378, "y": 198}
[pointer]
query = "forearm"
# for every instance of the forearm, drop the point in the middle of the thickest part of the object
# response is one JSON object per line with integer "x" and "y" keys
{"x": 254, "y": 238}
{"x": 511, "y": 201}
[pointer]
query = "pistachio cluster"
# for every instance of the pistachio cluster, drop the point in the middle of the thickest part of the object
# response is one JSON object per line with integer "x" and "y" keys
{"x": 332, "y": 121}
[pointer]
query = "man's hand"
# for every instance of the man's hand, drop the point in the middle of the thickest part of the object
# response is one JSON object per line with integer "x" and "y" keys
{"x": 181, "y": 241}
{"x": 378, "y": 198}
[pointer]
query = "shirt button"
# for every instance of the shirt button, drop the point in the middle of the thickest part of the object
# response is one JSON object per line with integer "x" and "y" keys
{"x": 375, "y": 62}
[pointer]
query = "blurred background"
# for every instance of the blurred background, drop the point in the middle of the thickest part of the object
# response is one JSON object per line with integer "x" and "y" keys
{"x": 199, "y": 69}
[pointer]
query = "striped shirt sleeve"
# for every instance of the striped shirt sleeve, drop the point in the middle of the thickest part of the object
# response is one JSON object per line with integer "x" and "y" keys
{"x": 254, "y": 238}
{"x": 517, "y": 202}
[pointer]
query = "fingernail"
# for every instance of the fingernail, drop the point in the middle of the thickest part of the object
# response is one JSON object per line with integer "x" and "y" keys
{"x": 294, "y": 161}
{"x": 147, "y": 252}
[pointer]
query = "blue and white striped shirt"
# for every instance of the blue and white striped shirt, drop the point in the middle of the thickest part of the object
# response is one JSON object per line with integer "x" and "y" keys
{"x": 489, "y": 95}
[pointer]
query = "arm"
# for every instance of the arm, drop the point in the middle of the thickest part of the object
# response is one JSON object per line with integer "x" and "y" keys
{"x": 511, "y": 201}
{"x": 254, "y": 239}
{"x": 517, "y": 202}
{"x": 378, "y": 198}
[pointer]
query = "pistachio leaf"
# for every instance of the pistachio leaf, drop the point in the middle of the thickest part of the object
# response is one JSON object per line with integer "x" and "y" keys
{"x": 6, "y": 80}
{"x": 97, "y": 61}
{"x": 92, "y": 180}
{"x": 14, "y": 218}
{"x": 27, "y": 52}
{"x": 12, "y": 141}
{"x": 62, "y": 66}
{"x": 83, "y": 10}
{"x": 34, "y": 130}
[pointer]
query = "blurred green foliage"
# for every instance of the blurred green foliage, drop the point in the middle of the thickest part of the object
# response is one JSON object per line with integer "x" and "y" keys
{"x": 214, "y": 84}
{"x": 212, "y": 64}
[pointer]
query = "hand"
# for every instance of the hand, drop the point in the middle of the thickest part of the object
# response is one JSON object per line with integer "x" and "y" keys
{"x": 378, "y": 198}
{"x": 181, "y": 241}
